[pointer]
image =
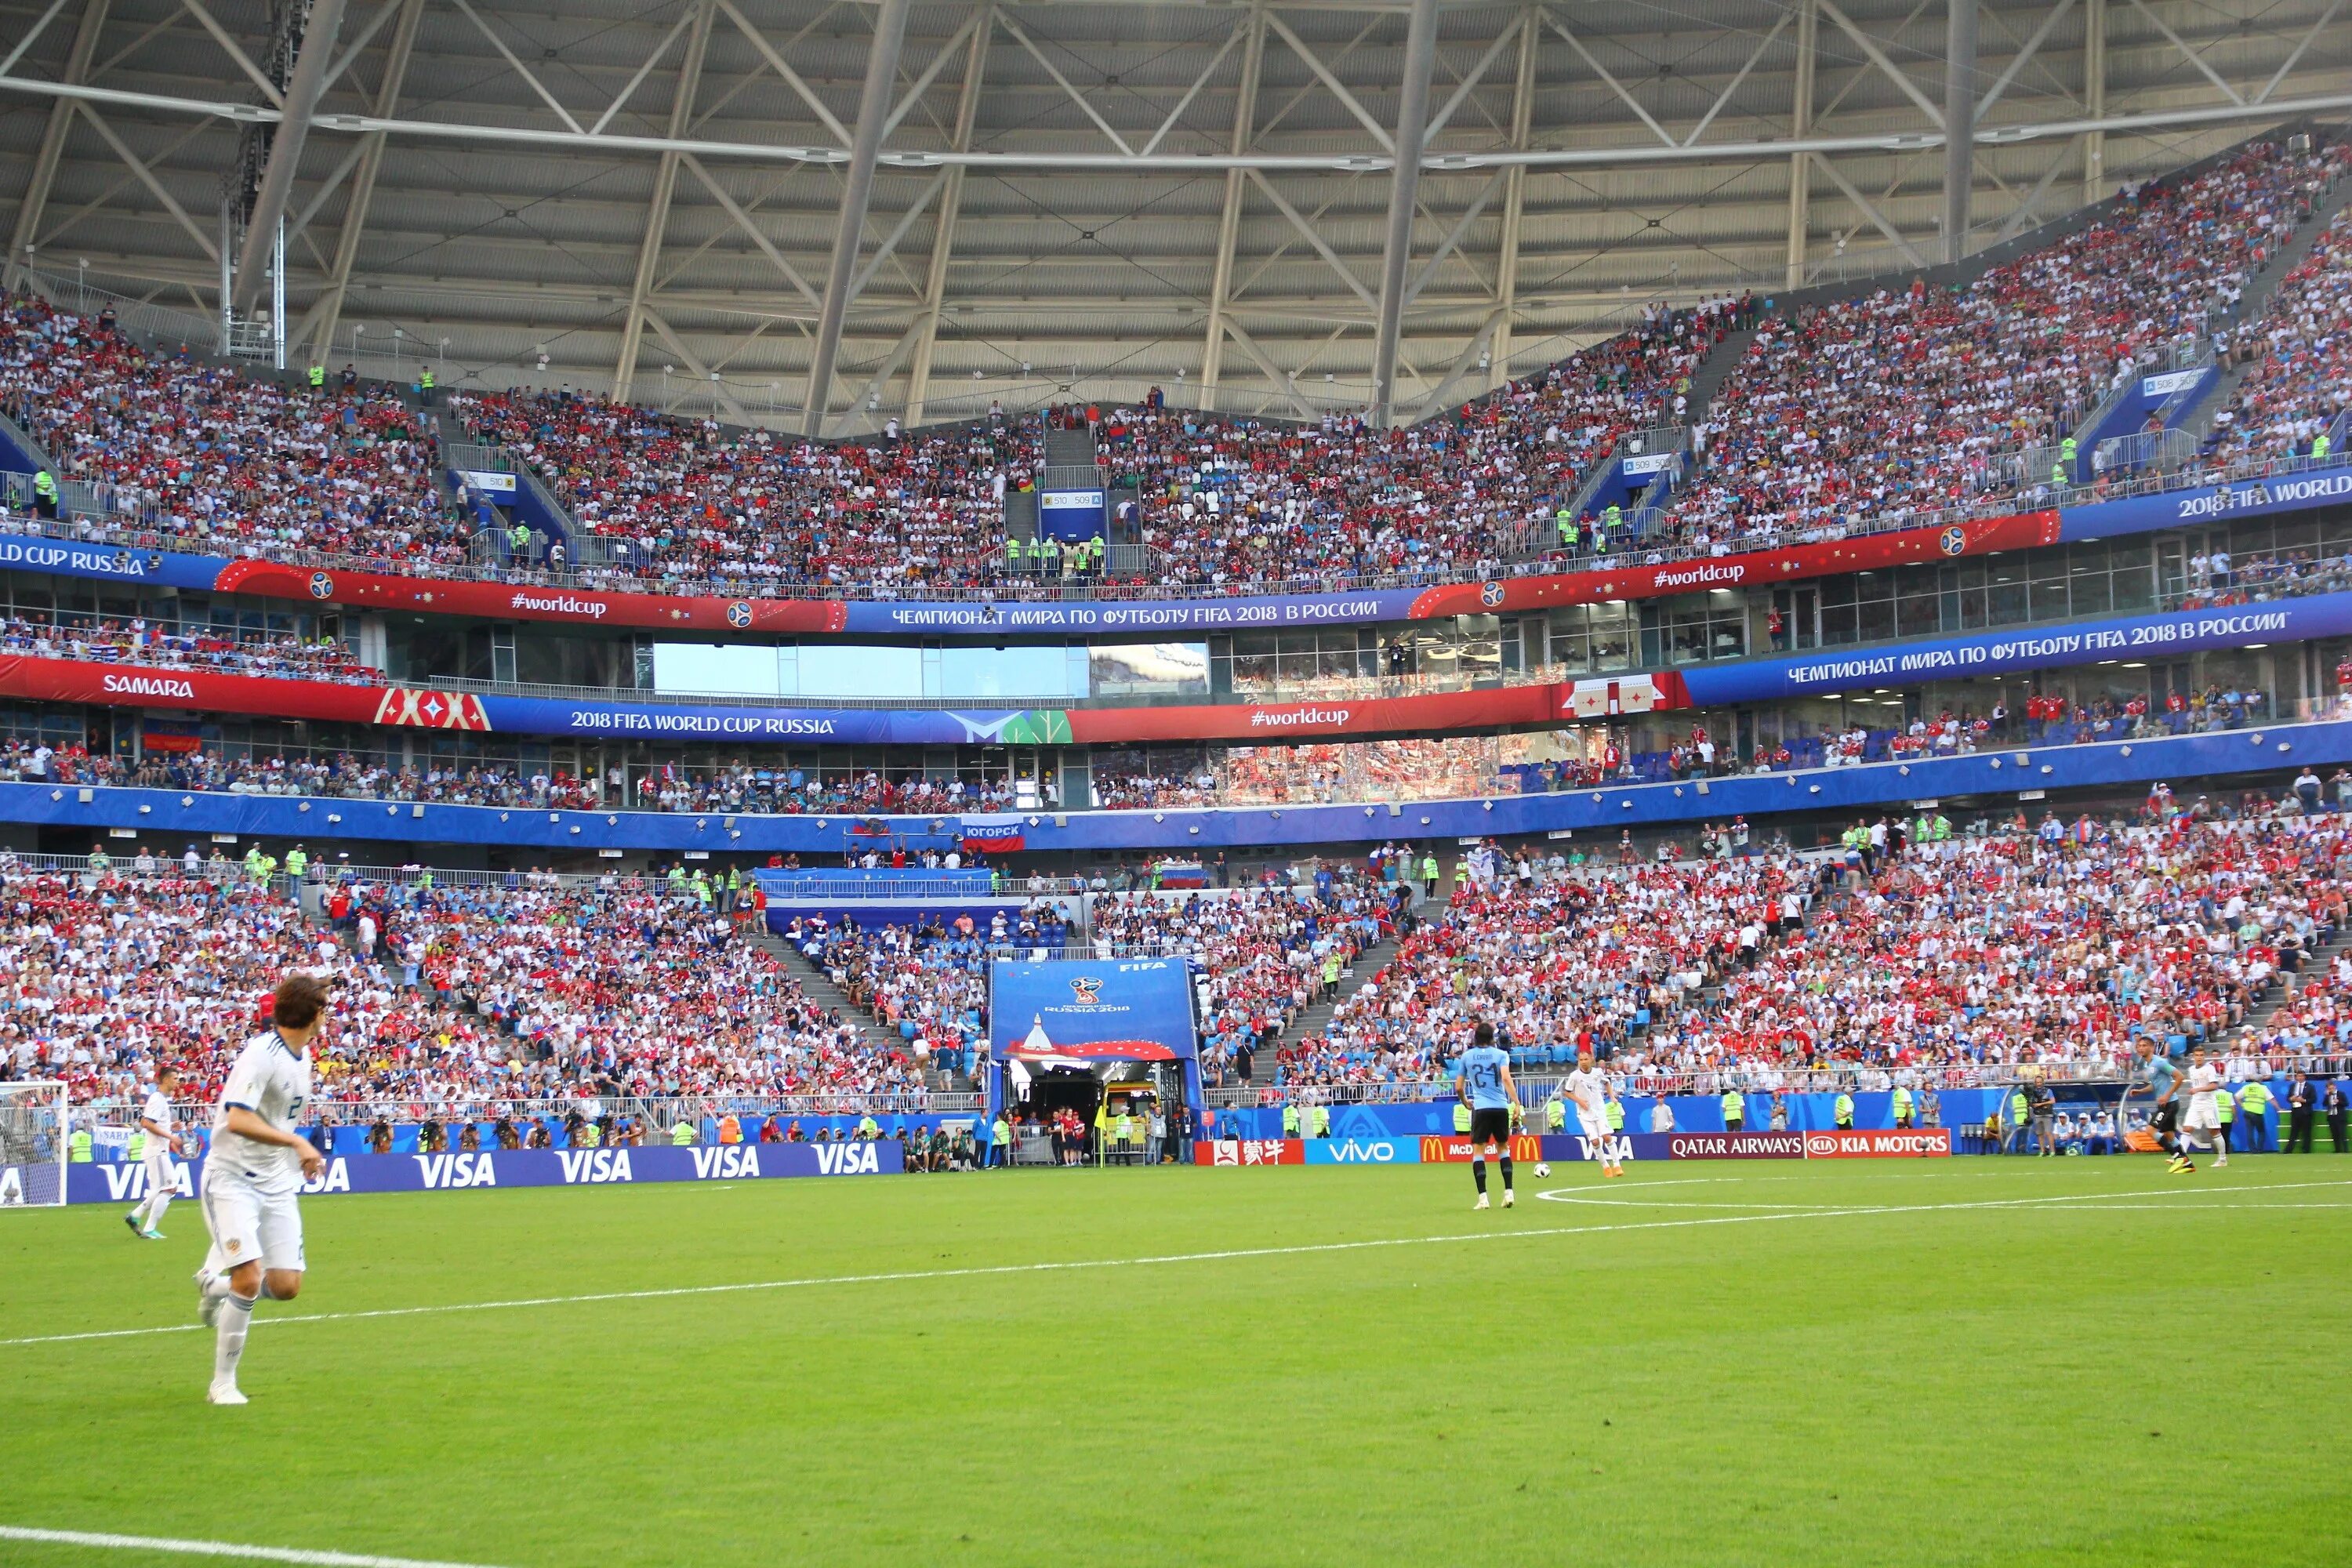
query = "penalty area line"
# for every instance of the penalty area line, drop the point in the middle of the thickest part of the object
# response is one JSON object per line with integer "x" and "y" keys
{"x": 100, "y": 1542}
{"x": 1225, "y": 1255}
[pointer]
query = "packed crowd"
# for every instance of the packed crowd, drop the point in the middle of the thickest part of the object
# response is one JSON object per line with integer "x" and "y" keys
{"x": 1237, "y": 501}
{"x": 201, "y": 450}
{"x": 1903, "y": 400}
{"x": 1552, "y": 953}
{"x": 93, "y": 641}
{"x": 2296, "y": 391}
{"x": 446, "y": 995}
{"x": 679, "y": 499}
{"x": 1907, "y": 948}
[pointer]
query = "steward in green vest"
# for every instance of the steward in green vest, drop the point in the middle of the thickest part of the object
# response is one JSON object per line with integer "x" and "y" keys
{"x": 1053, "y": 548}
{"x": 867, "y": 1127}
{"x": 1843, "y": 1109}
{"x": 1555, "y": 1114}
{"x": 77, "y": 1146}
{"x": 592, "y": 1136}
{"x": 1571, "y": 530}
{"x": 1012, "y": 556}
{"x": 1000, "y": 1137}
{"x": 682, "y": 1134}
{"x": 2066, "y": 450}
{"x": 1616, "y": 1108}
{"x": 1735, "y": 1112}
{"x": 298, "y": 861}
{"x": 1429, "y": 872}
{"x": 1462, "y": 1116}
{"x": 2256, "y": 1100}
{"x": 2018, "y": 1114}
{"x": 2225, "y": 1106}
{"x": 518, "y": 541}
{"x": 2058, "y": 475}
{"x": 318, "y": 378}
{"x": 1094, "y": 556}
{"x": 137, "y": 1150}
{"x": 2319, "y": 447}
{"x": 1290, "y": 1121}
{"x": 1321, "y": 1121}
{"x": 1902, "y": 1106}
{"x": 424, "y": 386}
{"x": 44, "y": 492}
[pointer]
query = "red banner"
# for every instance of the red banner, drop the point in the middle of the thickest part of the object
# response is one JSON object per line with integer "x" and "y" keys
{"x": 1631, "y": 581}
{"x": 130, "y": 685}
{"x": 1272, "y": 723}
{"x": 1250, "y": 1151}
{"x": 509, "y": 602}
{"x": 1878, "y": 1143}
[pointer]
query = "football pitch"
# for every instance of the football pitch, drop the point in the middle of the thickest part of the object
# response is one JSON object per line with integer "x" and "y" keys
{"x": 1943, "y": 1361}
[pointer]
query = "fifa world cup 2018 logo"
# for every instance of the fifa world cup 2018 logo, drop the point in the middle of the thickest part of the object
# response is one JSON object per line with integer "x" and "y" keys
{"x": 1087, "y": 989}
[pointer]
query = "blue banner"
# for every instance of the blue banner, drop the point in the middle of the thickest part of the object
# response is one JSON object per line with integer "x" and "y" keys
{"x": 125, "y": 1183}
{"x": 1363, "y": 1150}
{"x": 2209, "y": 503}
{"x": 1137, "y": 616}
{"x": 852, "y": 726}
{"x": 2082, "y": 642}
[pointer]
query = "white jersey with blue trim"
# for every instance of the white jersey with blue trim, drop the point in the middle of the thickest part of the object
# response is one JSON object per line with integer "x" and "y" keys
{"x": 272, "y": 1080}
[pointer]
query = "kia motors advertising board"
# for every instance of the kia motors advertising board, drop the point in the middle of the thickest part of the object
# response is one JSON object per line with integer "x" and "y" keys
{"x": 1878, "y": 1143}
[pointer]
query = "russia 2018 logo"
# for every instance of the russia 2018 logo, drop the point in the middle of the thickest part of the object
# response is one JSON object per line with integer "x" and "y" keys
{"x": 1955, "y": 539}
{"x": 739, "y": 615}
{"x": 321, "y": 586}
{"x": 1087, "y": 989}
{"x": 1490, "y": 595}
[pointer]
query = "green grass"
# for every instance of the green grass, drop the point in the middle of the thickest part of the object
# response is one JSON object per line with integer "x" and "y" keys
{"x": 2147, "y": 1375}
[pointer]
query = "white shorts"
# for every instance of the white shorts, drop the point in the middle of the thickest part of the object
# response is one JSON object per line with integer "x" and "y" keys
{"x": 2204, "y": 1116}
{"x": 246, "y": 1225}
{"x": 1593, "y": 1129}
{"x": 157, "y": 1162}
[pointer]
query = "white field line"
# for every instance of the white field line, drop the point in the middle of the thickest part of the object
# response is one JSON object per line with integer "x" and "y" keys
{"x": 912, "y": 1276}
{"x": 105, "y": 1542}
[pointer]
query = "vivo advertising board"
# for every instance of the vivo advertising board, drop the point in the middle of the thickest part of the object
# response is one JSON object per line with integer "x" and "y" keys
{"x": 127, "y": 1182}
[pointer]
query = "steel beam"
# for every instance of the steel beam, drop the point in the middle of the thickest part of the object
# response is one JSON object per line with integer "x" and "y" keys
{"x": 681, "y": 109}
{"x": 857, "y": 188}
{"x": 2094, "y": 98}
{"x": 302, "y": 89}
{"x": 1800, "y": 124}
{"x": 1960, "y": 124}
{"x": 53, "y": 143}
{"x": 1412, "y": 132}
{"x": 326, "y": 314}
{"x": 1213, "y": 351}
{"x": 1515, "y": 202}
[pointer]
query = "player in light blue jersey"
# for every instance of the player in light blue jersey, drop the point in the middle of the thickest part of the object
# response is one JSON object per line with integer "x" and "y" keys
{"x": 1483, "y": 1080}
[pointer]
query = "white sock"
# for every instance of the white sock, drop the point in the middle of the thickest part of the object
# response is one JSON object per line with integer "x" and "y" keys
{"x": 236, "y": 1315}
{"x": 156, "y": 1204}
{"x": 139, "y": 1212}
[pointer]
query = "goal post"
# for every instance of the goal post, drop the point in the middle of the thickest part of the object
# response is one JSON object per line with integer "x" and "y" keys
{"x": 33, "y": 1133}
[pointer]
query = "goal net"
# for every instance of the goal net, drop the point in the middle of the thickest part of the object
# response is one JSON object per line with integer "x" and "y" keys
{"x": 32, "y": 1144}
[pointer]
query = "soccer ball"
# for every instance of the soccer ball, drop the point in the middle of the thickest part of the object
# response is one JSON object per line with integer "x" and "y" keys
{"x": 1542, "y": 1171}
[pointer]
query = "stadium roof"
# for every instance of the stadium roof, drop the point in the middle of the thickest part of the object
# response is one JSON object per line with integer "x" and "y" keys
{"x": 1080, "y": 198}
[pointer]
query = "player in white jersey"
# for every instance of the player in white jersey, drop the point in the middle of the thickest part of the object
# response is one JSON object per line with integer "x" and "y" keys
{"x": 2203, "y": 1122}
{"x": 155, "y": 1123}
{"x": 258, "y": 1166}
{"x": 1589, "y": 1090}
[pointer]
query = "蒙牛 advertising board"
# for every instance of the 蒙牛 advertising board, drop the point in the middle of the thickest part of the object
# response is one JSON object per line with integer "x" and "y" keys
{"x": 127, "y": 1182}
